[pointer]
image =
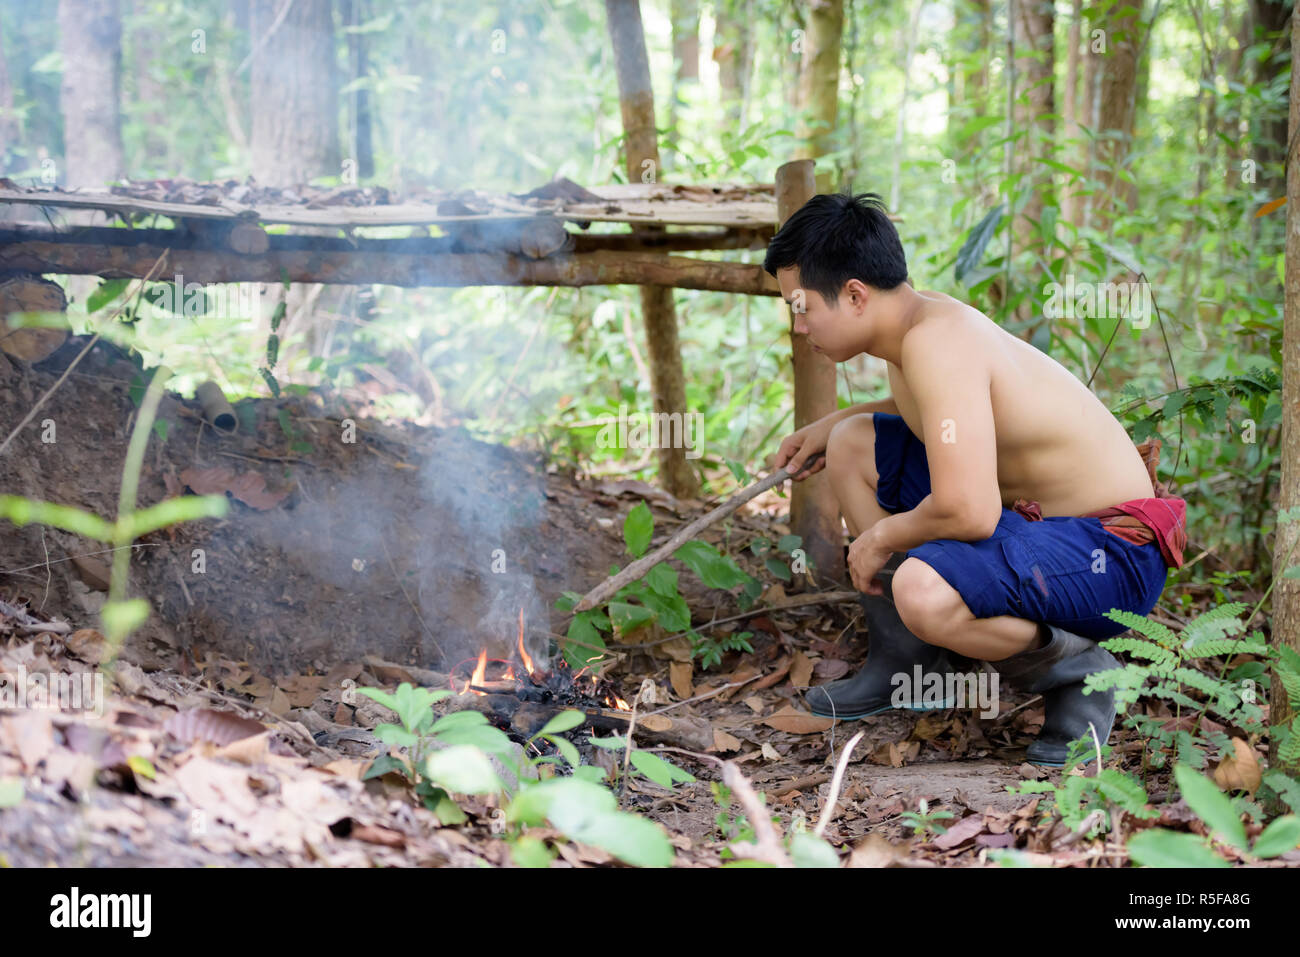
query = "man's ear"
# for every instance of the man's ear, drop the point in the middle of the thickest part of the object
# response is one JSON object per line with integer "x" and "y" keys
{"x": 857, "y": 292}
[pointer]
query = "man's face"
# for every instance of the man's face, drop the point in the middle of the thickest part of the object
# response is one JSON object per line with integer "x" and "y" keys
{"x": 828, "y": 329}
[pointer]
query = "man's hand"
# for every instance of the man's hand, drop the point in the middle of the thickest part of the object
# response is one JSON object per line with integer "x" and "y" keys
{"x": 798, "y": 447}
{"x": 866, "y": 557}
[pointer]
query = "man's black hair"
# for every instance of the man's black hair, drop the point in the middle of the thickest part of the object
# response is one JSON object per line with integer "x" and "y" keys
{"x": 835, "y": 237}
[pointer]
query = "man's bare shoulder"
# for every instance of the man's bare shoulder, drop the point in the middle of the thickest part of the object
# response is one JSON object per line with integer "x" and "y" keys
{"x": 946, "y": 327}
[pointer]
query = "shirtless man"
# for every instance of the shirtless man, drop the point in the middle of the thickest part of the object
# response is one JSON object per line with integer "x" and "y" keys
{"x": 1023, "y": 508}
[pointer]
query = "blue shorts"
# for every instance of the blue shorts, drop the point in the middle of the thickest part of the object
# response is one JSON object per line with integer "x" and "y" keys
{"x": 1063, "y": 571}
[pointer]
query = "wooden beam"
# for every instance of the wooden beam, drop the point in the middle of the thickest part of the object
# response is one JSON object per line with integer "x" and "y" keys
{"x": 814, "y": 511}
{"x": 634, "y": 241}
{"x": 363, "y": 266}
{"x": 641, "y": 153}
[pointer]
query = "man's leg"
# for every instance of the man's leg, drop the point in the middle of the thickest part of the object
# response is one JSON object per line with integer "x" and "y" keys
{"x": 928, "y": 605}
{"x": 851, "y": 467}
{"x": 1049, "y": 570}
{"x": 934, "y": 611}
{"x": 893, "y": 651}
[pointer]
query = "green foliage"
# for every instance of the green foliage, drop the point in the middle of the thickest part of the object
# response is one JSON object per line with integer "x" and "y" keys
{"x": 1170, "y": 668}
{"x": 924, "y": 822}
{"x": 1159, "y": 847}
{"x": 655, "y": 599}
{"x": 456, "y": 754}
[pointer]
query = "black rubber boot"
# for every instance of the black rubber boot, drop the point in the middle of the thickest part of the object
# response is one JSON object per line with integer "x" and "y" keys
{"x": 891, "y": 650}
{"x": 1056, "y": 671}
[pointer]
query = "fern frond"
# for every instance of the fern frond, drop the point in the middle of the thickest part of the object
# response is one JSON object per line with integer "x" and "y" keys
{"x": 1143, "y": 626}
{"x": 1140, "y": 648}
{"x": 1216, "y": 647}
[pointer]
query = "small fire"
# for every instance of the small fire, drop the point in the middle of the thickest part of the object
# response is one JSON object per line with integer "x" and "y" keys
{"x": 480, "y": 672}
{"x": 523, "y": 652}
{"x": 549, "y": 683}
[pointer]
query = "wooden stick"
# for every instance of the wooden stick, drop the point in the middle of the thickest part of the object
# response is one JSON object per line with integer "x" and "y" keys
{"x": 611, "y": 585}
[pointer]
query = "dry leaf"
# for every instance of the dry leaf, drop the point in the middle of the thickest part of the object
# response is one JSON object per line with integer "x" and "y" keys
{"x": 88, "y": 645}
{"x": 961, "y": 832}
{"x": 771, "y": 753}
{"x": 248, "y": 487}
{"x": 722, "y": 741}
{"x": 755, "y": 704}
{"x": 1239, "y": 771}
{"x": 217, "y": 727}
{"x": 775, "y": 677}
{"x": 801, "y": 670}
{"x": 797, "y": 722}
{"x": 679, "y": 673}
{"x": 250, "y": 750}
{"x": 875, "y": 851}
{"x": 830, "y": 669}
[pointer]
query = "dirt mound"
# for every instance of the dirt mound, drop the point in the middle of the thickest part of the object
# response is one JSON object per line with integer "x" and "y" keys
{"x": 415, "y": 544}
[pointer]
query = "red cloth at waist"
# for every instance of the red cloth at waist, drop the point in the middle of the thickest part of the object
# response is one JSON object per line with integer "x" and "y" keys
{"x": 1161, "y": 519}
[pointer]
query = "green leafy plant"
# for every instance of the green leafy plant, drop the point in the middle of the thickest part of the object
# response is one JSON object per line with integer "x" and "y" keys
{"x": 789, "y": 546}
{"x": 924, "y": 822}
{"x": 1160, "y": 847}
{"x": 460, "y": 753}
{"x": 710, "y": 649}
{"x": 1167, "y": 668}
{"x": 655, "y": 598}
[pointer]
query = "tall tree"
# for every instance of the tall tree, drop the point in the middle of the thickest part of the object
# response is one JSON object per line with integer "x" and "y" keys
{"x": 637, "y": 104}
{"x": 1070, "y": 109}
{"x": 294, "y": 86}
{"x": 1111, "y": 77}
{"x": 1035, "y": 119}
{"x": 819, "y": 85}
{"x": 733, "y": 52}
{"x": 1286, "y": 595}
{"x": 686, "y": 64}
{"x": 295, "y": 133}
{"x": 90, "y": 39}
{"x": 1271, "y": 18}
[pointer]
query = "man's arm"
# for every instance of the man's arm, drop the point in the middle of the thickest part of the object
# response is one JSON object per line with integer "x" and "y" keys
{"x": 886, "y": 404}
{"x": 948, "y": 376}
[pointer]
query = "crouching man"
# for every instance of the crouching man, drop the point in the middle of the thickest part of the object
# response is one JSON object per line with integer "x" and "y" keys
{"x": 1010, "y": 506}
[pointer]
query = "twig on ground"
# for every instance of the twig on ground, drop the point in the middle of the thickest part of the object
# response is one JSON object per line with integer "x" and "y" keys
{"x": 836, "y": 782}
{"x": 642, "y": 565}
{"x": 701, "y": 697}
{"x": 767, "y": 846}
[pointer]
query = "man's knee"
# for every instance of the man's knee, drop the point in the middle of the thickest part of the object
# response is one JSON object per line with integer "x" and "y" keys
{"x": 852, "y": 444}
{"x": 928, "y": 605}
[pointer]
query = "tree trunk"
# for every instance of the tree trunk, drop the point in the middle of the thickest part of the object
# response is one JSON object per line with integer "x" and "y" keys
{"x": 686, "y": 66}
{"x": 363, "y": 151}
{"x": 90, "y": 34}
{"x": 819, "y": 86}
{"x": 1286, "y": 594}
{"x": 1070, "y": 114}
{"x": 1112, "y": 57}
{"x": 8, "y": 122}
{"x": 1271, "y": 18}
{"x": 293, "y": 83}
{"x": 814, "y": 512}
{"x": 731, "y": 51}
{"x": 1034, "y": 113}
{"x": 295, "y": 131}
{"x": 636, "y": 101}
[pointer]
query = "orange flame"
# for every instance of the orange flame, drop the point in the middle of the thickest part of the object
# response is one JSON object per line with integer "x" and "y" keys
{"x": 523, "y": 652}
{"x": 480, "y": 672}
